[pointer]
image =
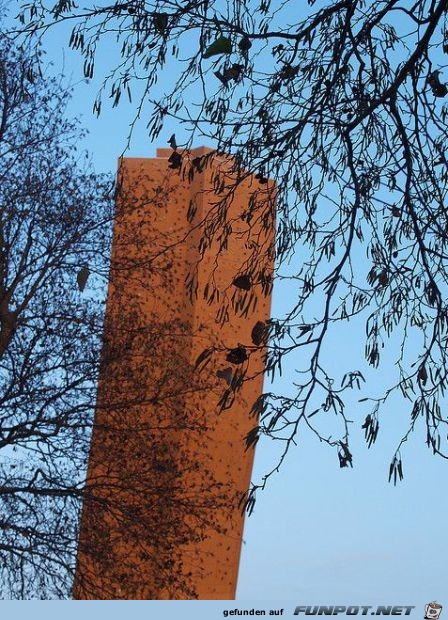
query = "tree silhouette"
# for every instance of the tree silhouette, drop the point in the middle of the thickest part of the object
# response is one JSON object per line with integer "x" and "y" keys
{"x": 55, "y": 217}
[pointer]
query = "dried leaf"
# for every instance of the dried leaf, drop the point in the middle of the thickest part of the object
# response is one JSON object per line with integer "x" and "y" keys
{"x": 242, "y": 282}
{"x": 237, "y": 355}
{"x": 422, "y": 375}
{"x": 160, "y": 21}
{"x": 259, "y": 333}
{"x": 172, "y": 142}
{"x": 82, "y": 277}
{"x": 245, "y": 44}
{"x": 383, "y": 278}
{"x": 222, "y": 45}
{"x": 225, "y": 374}
{"x": 175, "y": 161}
{"x": 438, "y": 89}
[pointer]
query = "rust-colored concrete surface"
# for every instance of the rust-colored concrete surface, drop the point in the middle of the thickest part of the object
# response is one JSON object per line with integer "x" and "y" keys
{"x": 168, "y": 461}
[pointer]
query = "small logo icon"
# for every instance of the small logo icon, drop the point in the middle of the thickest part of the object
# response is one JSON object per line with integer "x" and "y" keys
{"x": 432, "y": 611}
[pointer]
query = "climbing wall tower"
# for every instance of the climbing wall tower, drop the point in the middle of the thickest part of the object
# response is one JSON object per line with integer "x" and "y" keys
{"x": 183, "y": 359}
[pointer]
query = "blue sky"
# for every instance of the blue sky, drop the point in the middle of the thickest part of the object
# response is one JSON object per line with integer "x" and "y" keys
{"x": 319, "y": 534}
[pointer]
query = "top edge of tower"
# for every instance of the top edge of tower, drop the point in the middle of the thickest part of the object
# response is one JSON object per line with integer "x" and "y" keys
{"x": 165, "y": 153}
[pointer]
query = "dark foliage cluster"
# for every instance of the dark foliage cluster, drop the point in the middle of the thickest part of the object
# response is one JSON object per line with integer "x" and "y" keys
{"x": 344, "y": 105}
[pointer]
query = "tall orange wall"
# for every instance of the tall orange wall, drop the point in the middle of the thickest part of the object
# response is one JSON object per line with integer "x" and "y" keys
{"x": 168, "y": 463}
